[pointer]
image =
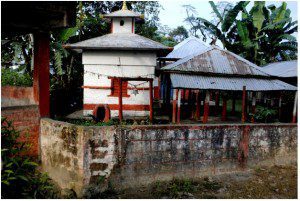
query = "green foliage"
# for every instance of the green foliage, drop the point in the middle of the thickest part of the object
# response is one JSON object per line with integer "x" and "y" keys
{"x": 258, "y": 15}
{"x": 263, "y": 35}
{"x": 15, "y": 78}
{"x": 179, "y": 34}
{"x": 85, "y": 122}
{"x": 231, "y": 15}
{"x": 173, "y": 188}
{"x": 264, "y": 114}
{"x": 19, "y": 177}
{"x": 111, "y": 122}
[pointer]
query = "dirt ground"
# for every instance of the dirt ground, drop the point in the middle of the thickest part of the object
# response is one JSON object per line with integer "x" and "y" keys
{"x": 262, "y": 182}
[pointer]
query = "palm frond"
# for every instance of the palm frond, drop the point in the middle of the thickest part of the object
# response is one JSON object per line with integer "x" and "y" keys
{"x": 231, "y": 15}
{"x": 215, "y": 9}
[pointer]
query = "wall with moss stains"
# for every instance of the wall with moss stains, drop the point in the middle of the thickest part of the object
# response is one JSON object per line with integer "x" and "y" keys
{"x": 86, "y": 159}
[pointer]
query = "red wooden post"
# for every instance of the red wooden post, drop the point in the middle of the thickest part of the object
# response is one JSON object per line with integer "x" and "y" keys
{"x": 279, "y": 105}
{"x": 175, "y": 94}
{"x": 244, "y": 104}
{"x": 217, "y": 102}
{"x": 159, "y": 89}
{"x": 224, "y": 108}
{"x": 178, "y": 105}
{"x": 151, "y": 99}
{"x": 41, "y": 73}
{"x": 295, "y": 108}
{"x": 233, "y": 104}
{"x": 192, "y": 104}
{"x": 206, "y": 107}
{"x": 253, "y": 106}
{"x": 120, "y": 101}
{"x": 198, "y": 105}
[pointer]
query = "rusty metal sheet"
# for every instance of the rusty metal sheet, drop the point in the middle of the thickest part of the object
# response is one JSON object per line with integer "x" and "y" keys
{"x": 216, "y": 60}
{"x": 228, "y": 83}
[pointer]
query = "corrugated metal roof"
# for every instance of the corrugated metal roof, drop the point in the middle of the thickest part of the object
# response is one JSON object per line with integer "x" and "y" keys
{"x": 122, "y": 13}
{"x": 118, "y": 41}
{"x": 187, "y": 47}
{"x": 282, "y": 69}
{"x": 224, "y": 83}
{"x": 218, "y": 61}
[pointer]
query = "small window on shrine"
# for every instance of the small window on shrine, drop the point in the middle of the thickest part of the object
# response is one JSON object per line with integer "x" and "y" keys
{"x": 122, "y": 22}
{"x": 115, "y": 88}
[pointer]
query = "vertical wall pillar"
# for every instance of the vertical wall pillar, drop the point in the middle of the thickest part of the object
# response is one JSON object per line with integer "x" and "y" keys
{"x": 224, "y": 108}
{"x": 244, "y": 105}
{"x": 295, "y": 108}
{"x": 175, "y": 94}
{"x": 198, "y": 105}
{"x": 120, "y": 101}
{"x": 206, "y": 107}
{"x": 151, "y": 99}
{"x": 178, "y": 105}
{"x": 41, "y": 73}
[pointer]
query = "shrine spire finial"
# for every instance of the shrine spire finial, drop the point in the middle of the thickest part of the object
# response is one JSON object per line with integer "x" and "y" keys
{"x": 124, "y": 7}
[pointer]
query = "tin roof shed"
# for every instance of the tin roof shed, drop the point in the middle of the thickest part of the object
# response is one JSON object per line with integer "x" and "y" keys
{"x": 219, "y": 69}
{"x": 282, "y": 69}
{"x": 187, "y": 47}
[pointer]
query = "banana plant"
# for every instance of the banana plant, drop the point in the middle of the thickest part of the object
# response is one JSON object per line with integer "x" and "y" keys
{"x": 262, "y": 35}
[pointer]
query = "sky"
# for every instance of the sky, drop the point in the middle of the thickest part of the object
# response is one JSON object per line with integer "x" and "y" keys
{"x": 173, "y": 14}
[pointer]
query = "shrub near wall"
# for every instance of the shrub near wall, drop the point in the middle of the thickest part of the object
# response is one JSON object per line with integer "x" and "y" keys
{"x": 136, "y": 155}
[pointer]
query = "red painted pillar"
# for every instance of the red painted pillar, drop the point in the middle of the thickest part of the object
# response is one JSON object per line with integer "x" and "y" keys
{"x": 279, "y": 105}
{"x": 120, "y": 101}
{"x": 178, "y": 105}
{"x": 217, "y": 102}
{"x": 159, "y": 90}
{"x": 41, "y": 73}
{"x": 295, "y": 109}
{"x": 206, "y": 107}
{"x": 198, "y": 105}
{"x": 244, "y": 105}
{"x": 175, "y": 95}
{"x": 151, "y": 99}
{"x": 224, "y": 108}
{"x": 233, "y": 104}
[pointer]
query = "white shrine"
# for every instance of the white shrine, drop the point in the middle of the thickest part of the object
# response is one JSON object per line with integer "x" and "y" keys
{"x": 119, "y": 68}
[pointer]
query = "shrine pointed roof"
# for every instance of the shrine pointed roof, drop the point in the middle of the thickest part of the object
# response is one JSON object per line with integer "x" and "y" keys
{"x": 118, "y": 41}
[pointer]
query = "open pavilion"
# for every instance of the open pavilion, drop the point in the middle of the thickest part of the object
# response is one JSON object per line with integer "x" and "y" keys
{"x": 220, "y": 72}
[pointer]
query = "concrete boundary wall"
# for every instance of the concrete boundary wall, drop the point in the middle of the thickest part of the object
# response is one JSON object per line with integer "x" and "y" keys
{"x": 79, "y": 157}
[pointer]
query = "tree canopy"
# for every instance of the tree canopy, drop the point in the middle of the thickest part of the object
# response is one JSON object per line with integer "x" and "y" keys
{"x": 262, "y": 35}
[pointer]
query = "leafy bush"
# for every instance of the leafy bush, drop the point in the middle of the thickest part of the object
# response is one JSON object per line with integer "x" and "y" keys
{"x": 14, "y": 78}
{"x": 264, "y": 114}
{"x": 19, "y": 175}
{"x": 173, "y": 188}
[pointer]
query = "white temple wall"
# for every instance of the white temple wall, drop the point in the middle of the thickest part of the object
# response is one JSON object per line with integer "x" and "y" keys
{"x": 101, "y": 96}
{"x": 98, "y": 66}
